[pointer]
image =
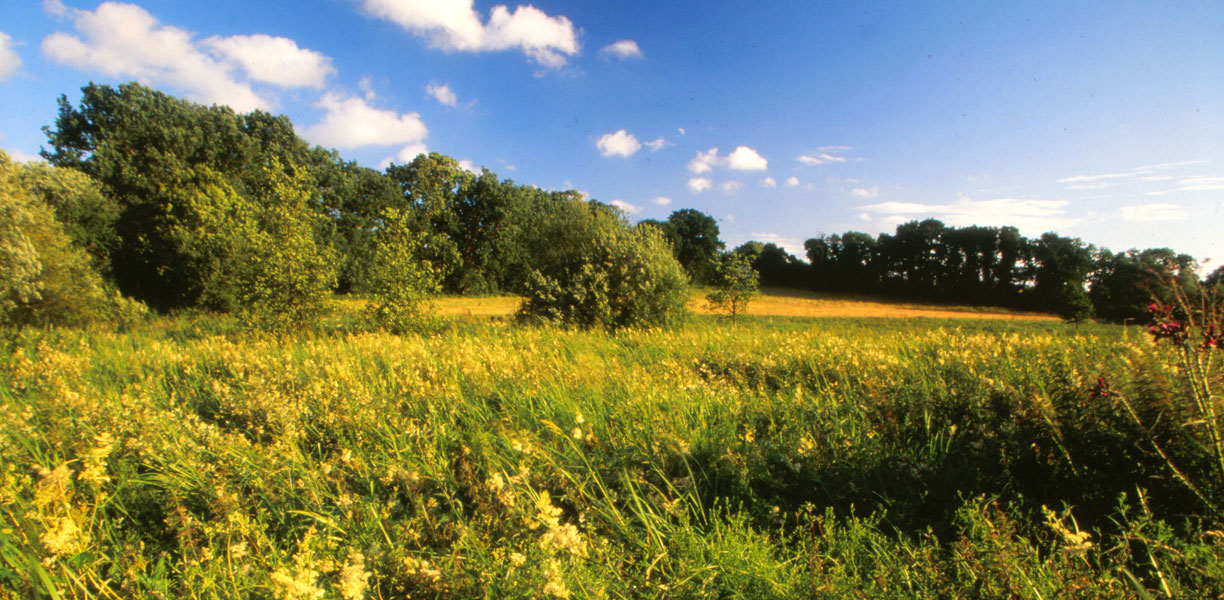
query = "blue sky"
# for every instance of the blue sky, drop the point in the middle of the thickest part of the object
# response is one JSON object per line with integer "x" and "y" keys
{"x": 784, "y": 120}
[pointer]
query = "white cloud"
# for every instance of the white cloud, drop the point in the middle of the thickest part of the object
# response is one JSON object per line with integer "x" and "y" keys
{"x": 456, "y": 26}
{"x": 866, "y": 193}
{"x": 627, "y": 208}
{"x": 823, "y": 156}
{"x": 469, "y": 166}
{"x": 1032, "y": 216}
{"x": 366, "y": 85}
{"x": 730, "y": 186}
{"x": 275, "y": 60}
{"x": 656, "y": 144}
{"x": 623, "y": 49}
{"x": 704, "y": 161}
{"x": 442, "y": 93}
{"x": 792, "y": 181}
{"x": 699, "y": 184}
{"x": 124, "y": 40}
{"x": 742, "y": 158}
{"x": 9, "y": 60}
{"x": 621, "y": 143}
{"x": 350, "y": 122}
{"x": 662, "y": 200}
{"x": 1154, "y": 212}
{"x": 681, "y": 130}
{"x": 769, "y": 182}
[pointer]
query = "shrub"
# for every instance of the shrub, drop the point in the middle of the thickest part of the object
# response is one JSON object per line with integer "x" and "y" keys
{"x": 607, "y": 275}
{"x": 46, "y": 279}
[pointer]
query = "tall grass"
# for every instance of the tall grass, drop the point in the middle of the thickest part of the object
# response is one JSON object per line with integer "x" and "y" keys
{"x": 773, "y": 459}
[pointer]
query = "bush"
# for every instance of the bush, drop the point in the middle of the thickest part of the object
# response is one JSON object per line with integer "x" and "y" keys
{"x": 46, "y": 279}
{"x": 607, "y": 275}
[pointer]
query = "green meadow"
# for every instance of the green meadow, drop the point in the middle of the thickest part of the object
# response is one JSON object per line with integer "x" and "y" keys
{"x": 765, "y": 458}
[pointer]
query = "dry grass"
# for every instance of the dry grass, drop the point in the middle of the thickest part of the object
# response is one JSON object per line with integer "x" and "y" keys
{"x": 771, "y": 303}
{"x": 793, "y": 303}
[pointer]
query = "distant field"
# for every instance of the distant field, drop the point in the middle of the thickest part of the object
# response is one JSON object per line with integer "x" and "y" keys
{"x": 771, "y": 303}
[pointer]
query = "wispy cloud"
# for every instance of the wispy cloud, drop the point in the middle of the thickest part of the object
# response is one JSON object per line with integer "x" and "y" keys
{"x": 824, "y": 155}
{"x": 1163, "y": 211}
{"x": 1151, "y": 172}
{"x": 1031, "y": 216}
{"x": 699, "y": 184}
{"x": 443, "y": 94}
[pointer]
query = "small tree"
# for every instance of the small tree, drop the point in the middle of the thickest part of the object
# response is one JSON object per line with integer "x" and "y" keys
{"x": 253, "y": 253}
{"x": 399, "y": 279}
{"x": 736, "y": 283}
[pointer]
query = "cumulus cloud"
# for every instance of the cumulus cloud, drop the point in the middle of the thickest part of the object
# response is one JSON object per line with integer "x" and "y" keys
{"x": 629, "y": 209}
{"x": 9, "y": 60}
{"x": 792, "y": 181}
{"x": 699, "y": 184}
{"x": 769, "y": 182}
{"x": 623, "y": 49}
{"x": 1032, "y": 216}
{"x": 824, "y": 155}
{"x": 866, "y": 193}
{"x": 621, "y": 143}
{"x": 125, "y": 40}
{"x": 442, "y": 93}
{"x": 1154, "y": 212}
{"x": 662, "y": 200}
{"x": 704, "y": 162}
{"x": 351, "y": 122}
{"x": 275, "y": 60}
{"x": 456, "y": 26}
{"x": 742, "y": 158}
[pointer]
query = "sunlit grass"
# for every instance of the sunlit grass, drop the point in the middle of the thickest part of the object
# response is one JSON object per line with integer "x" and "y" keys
{"x": 769, "y": 458}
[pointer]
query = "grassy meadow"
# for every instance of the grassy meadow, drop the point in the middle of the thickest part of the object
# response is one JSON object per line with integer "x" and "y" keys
{"x": 775, "y": 457}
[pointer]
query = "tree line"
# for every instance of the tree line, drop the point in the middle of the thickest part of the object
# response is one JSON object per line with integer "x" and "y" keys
{"x": 151, "y": 200}
{"x": 987, "y": 266}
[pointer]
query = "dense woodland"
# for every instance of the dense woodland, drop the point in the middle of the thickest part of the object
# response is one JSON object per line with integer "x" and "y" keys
{"x": 177, "y": 205}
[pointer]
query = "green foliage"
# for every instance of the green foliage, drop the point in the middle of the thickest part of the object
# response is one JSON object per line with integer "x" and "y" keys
{"x": 606, "y": 275}
{"x": 45, "y": 278}
{"x": 283, "y": 273}
{"x": 736, "y": 284}
{"x": 399, "y": 280}
{"x": 694, "y": 240}
{"x": 87, "y": 215}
